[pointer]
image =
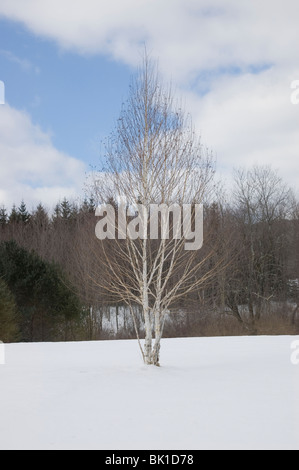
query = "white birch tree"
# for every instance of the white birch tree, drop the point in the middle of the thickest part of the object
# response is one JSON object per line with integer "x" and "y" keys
{"x": 153, "y": 157}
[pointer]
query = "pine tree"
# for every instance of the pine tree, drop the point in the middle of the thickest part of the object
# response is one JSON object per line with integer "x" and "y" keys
{"x": 14, "y": 215}
{"x": 3, "y": 216}
{"x": 40, "y": 217}
{"x": 88, "y": 206}
{"x": 66, "y": 209}
{"x": 56, "y": 213}
{"x": 9, "y": 331}
{"x": 84, "y": 206}
{"x": 91, "y": 205}
{"x": 23, "y": 214}
{"x": 45, "y": 303}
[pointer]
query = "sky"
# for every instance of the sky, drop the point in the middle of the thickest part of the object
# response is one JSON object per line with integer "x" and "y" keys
{"x": 66, "y": 67}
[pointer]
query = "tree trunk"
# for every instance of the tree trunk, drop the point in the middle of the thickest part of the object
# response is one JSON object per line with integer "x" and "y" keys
{"x": 148, "y": 346}
{"x": 158, "y": 336}
{"x": 156, "y": 353}
{"x": 116, "y": 318}
{"x": 152, "y": 352}
{"x": 294, "y": 314}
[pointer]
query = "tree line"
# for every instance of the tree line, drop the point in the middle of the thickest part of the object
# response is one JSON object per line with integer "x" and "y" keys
{"x": 52, "y": 269}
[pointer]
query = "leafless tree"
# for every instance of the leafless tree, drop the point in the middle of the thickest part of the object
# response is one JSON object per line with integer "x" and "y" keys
{"x": 153, "y": 157}
{"x": 294, "y": 262}
{"x": 262, "y": 206}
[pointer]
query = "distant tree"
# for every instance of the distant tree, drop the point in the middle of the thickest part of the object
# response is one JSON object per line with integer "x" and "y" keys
{"x": 262, "y": 205}
{"x": 66, "y": 209}
{"x": 14, "y": 215}
{"x": 9, "y": 331}
{"x": 293, "y": 272}
{"x": 23, "y": 214}
{"x": 3, "y": 216}
{"x": 91, "y": 205}
{"x": 40, "y": 217}
{"x": 56, "y": 213}
{"x": 88, "y": 206}
{"x": 39, "y": 233}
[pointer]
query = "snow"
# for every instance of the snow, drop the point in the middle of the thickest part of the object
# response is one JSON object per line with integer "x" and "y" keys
{"x": 210, "y": 393}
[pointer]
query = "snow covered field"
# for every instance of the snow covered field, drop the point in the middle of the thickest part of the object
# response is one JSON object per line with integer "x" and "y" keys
{"x": 210, "y": 393}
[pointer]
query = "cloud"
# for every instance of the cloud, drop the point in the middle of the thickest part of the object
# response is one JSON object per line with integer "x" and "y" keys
{"x": 31, "y": 168}
{"x": 234, "y": 62}
{"x": 249, "y": 119}
{"x": 188, "y": 35}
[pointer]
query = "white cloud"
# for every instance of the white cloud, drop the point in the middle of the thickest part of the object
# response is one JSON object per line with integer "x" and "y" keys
{"x": 215, "y": 45}
{"x": 249, "y": 120}
{"x": 30, "y": 166}
{"x": 188, "y": 35}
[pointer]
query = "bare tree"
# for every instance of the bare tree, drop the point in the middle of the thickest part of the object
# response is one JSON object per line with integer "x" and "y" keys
{"x": 262, "y": 207}
{"x": 294, "y": 263}
{"x": 153, "y": 158}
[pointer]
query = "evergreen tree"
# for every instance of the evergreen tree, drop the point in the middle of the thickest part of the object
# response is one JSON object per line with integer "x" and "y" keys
{"x": 40, "y": 289}
{"x": 3, "y": 216}
{"x": 40, "y": 217}
{"x": 84, "y": 206}
{"x": 14, "y": 216}
{"x": 88, "y": 206}
{"x": 23, "y": 214}
{"x": 66, "y": 209}
{"x": 56, "y": 217}
{"x": 91, "y": 205}
{"x": 9, "y": 331}
{"x": 57, "y": 212}
{"x": 75, "y": 211}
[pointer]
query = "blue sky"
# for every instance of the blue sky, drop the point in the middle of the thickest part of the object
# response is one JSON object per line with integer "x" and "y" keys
{"x": 75, "y": 98}
{"x": 66, "y": 65}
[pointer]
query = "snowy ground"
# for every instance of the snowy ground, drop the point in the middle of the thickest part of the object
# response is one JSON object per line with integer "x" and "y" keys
{"x": 210, "y": 393}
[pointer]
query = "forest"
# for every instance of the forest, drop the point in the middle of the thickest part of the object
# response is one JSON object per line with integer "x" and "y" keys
{"x": 52, "y": 269}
